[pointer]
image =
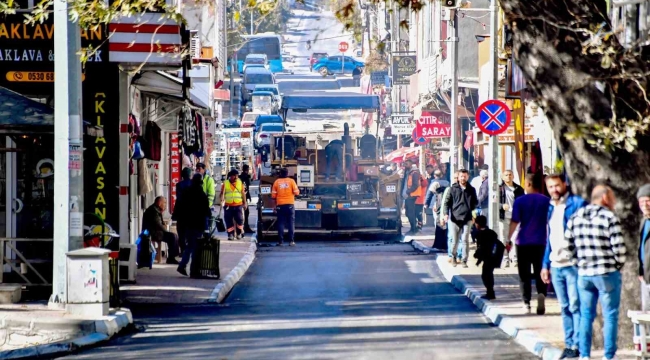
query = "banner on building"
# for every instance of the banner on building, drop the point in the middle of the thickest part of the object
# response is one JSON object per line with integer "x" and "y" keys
{"x": 403, "y": 67}
{"x": 174, "y": 168}
{"x": 401, "y": 124}
{"x": 518, "y": 116}
{"x": 515, "y": 80}
{"x": 433, "y": 124}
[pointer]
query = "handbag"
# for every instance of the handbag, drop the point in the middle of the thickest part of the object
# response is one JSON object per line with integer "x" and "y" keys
{"x": 221, "y": 227}
{"x": 138, "y": 153}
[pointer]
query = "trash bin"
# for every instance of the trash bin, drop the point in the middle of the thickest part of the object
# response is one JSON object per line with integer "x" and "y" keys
{"x": 205, "y": 262}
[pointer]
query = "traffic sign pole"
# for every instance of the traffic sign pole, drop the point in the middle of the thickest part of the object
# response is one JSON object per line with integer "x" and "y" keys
{"x": 493, "y": 172}
{"x": 343, "y": 47}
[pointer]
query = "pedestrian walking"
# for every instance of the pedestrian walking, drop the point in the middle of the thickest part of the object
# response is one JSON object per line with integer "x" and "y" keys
{"x": 245, "y": 177}
{"x": 489, "y": 251}
{"x": 284, "y": 191}
{"x": 419, "y": 203}
{"x": 461, "y": 202}
{"x": 595, "y": 242}
{"x": 643, "y": 196}
{"x": 184, "y": 184}
{"x": 530, "y": 212}
{"x": 152, "y": 220}
{"x": 483, "y": 194}
{"x": 208, "y": 183}
{"x": 444, "y": 210}
{"x": 192, "y": 212}
{"x": 558, "y": 268}
{"x": 509, "y": 191}
{"x": 233, "y": 196}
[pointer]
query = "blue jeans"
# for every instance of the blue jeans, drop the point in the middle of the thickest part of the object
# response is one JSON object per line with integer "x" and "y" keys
{"x": 450, "y": 250}
{"x": 608, "y": 288}
{"x": 565, "y": 283}
{"x": 460, "y": 237}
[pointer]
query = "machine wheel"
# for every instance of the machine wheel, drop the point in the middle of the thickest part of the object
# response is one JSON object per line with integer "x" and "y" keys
{"x": 323, "y": 71}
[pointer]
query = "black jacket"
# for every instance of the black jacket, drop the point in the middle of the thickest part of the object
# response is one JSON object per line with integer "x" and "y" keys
{"x": 484, "y": 195}
{"x": 489, "y": 249}
{"x": 644, "y": 264}
{"x": 152, "y": 220}
{"x": 246, "y": 179}
{"x": 193, "y": 209}
{"x": 461, "y": 203}
{"x": 519, "y": 191}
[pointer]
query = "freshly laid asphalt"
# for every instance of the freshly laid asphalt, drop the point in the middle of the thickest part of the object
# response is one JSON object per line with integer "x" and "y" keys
{"x": 323, "y": 300}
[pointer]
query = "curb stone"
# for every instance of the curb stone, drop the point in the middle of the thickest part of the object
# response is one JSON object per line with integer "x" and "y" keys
{"x": 223, "y": 288}
{"x": 105, "y": 329}
{"x": 509, "y": 325}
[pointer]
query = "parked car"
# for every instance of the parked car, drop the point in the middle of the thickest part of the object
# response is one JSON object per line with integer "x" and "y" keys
{"x": 337, "y": 65}
{"x": 256, "y": 60}
{"x": 230, "y": 123}
{"x": 249, "y": 118}
{"x": 255, "y": 76}
{"x": 263, "y": 135}
{"x": 313, "y": 59}
{"x": 274, "y": 88}
{"x": 265, "y": 119}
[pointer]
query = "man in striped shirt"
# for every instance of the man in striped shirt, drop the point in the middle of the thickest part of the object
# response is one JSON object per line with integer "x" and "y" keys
{"x": 596, "y": 243}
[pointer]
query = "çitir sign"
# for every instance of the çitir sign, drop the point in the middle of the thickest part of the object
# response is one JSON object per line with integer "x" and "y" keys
{"x": 433, "y": 124}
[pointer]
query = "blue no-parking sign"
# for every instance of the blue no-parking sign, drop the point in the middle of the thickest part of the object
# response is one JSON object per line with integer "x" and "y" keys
{"x": 493, "y": 117}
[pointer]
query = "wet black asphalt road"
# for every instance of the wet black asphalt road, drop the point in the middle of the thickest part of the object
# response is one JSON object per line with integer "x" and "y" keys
{"x": 323, "y": 301}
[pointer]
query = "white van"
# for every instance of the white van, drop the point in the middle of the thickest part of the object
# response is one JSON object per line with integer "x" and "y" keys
{"x": 255, "y": 76}
{"x": 254, "y": 60}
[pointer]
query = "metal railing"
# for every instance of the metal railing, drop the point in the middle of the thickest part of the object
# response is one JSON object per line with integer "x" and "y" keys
{"x": 10, "y": 244}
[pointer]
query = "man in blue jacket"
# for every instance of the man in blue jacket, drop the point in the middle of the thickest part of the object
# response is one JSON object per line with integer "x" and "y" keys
{"x": 558, "y": 266}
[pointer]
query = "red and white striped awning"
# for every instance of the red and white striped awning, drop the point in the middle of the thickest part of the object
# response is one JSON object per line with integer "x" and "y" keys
{"x": 146, "y": 38}
{"x": 401, "y": 154}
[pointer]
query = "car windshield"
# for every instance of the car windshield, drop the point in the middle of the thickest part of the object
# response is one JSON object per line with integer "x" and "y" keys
{"x": 273, "y": 90}
{"x": 272, "y": 128}
{"x": 255, "y": 60}
{"x": 319, "y": 55}
{"x": 259, "y": 79}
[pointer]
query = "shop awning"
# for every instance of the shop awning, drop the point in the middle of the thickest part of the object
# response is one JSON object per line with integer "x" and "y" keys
{"x": 404, "y": 153}
{"x": 20, "y": 113}
{"x": 160, "y": 82}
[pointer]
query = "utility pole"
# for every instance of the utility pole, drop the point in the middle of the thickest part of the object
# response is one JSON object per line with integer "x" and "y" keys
{"x": 493, "y": 172}
{"x": 456, "y": 156}
{"x": 68, "y": 149}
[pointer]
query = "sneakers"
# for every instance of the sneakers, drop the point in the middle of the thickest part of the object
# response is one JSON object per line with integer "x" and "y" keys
{"x": 292, "y": 244}
{"x": 182, "y": 271}
{"x": 507, "y": 263}
{"x": 527, "y": 308}
{"x": 454, "y": 262}
{"x": 280, "y": 243}
{"x": 240, "y": 236}
{"x": 465, "y": 264}
{"x": 450, "y": 259}
{"x": 231, "y": 237}
{"x": 541, "y": 307}
{"x": 488, "y": 297}
{"x": 604, "y": 358}
{"x": 570, "y": 354}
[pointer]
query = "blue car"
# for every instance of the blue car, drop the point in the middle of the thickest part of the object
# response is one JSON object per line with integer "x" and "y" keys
{"x": 337, "y": 65}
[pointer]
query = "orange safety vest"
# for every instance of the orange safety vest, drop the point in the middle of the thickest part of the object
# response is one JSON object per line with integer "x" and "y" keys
{"x": 419, "y": 191}
{"x": 423, "y": 191}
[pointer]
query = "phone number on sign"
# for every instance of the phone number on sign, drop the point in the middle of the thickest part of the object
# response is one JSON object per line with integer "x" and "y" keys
{"x": 27, "y": 76}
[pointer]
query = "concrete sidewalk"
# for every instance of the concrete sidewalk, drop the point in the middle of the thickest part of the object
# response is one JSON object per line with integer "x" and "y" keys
{"x": 31, "y": 329}
{"x": 163, "y": 285}
{"x": 541, "y": 335}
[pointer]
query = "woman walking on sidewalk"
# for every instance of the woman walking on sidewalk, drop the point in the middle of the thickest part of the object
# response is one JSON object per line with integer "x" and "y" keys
{"x": 192, "y": 212}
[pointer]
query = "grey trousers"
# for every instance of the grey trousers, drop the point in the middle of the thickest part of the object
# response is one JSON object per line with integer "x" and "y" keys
{"x": 460, "y": 234}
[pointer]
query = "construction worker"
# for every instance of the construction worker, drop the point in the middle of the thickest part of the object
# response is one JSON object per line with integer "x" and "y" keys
{"x": 208, "y": 183}
{"x": 334, "y": 150}
{"x": 411, "y": 190}
{"x": 233, "y": 197}
{"x": 283, "y": 192}
{"x": 419, "y": 202}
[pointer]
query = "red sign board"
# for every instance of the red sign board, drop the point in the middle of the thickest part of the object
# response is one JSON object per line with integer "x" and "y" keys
{"x": 343, "y": 46}
{"x": 433, "y": 124}
{"x": 174, "y": 168}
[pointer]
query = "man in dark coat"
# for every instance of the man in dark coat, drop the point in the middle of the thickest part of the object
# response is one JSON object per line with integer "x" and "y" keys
{"x": 152, "y": 220}
{"x": 192, "y": 212}
{"x": 461, "y": 202}
{"x": 183, "y": 185}
{"x": 245, "y": 177}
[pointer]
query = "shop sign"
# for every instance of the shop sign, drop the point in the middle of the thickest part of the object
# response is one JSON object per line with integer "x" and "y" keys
{"x": 27, "y": 54}
{"x": 518, "y": 115}
{"x": 403, "y": 67}
{"x": 433, "y": 124}
{"x": 174, "y": 168}
{"x": 400, "y": 124}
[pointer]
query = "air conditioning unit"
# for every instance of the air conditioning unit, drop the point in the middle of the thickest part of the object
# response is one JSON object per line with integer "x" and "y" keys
{"x": 195, "y": 44}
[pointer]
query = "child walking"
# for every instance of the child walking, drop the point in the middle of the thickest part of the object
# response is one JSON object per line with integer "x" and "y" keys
{"x": 489, "y": 251}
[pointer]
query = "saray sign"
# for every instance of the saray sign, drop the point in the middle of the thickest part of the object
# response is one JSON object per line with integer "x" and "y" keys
{"x": 433, "y": 124}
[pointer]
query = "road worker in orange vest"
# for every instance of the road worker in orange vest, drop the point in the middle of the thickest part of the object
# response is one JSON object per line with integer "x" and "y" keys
{"x": 419, "y": 202}
{"x": 233, "y": 197}
{"x": 284, "y": 191}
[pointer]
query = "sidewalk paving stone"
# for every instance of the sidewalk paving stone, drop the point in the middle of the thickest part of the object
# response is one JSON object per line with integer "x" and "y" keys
{"x": 542, "y": 335}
